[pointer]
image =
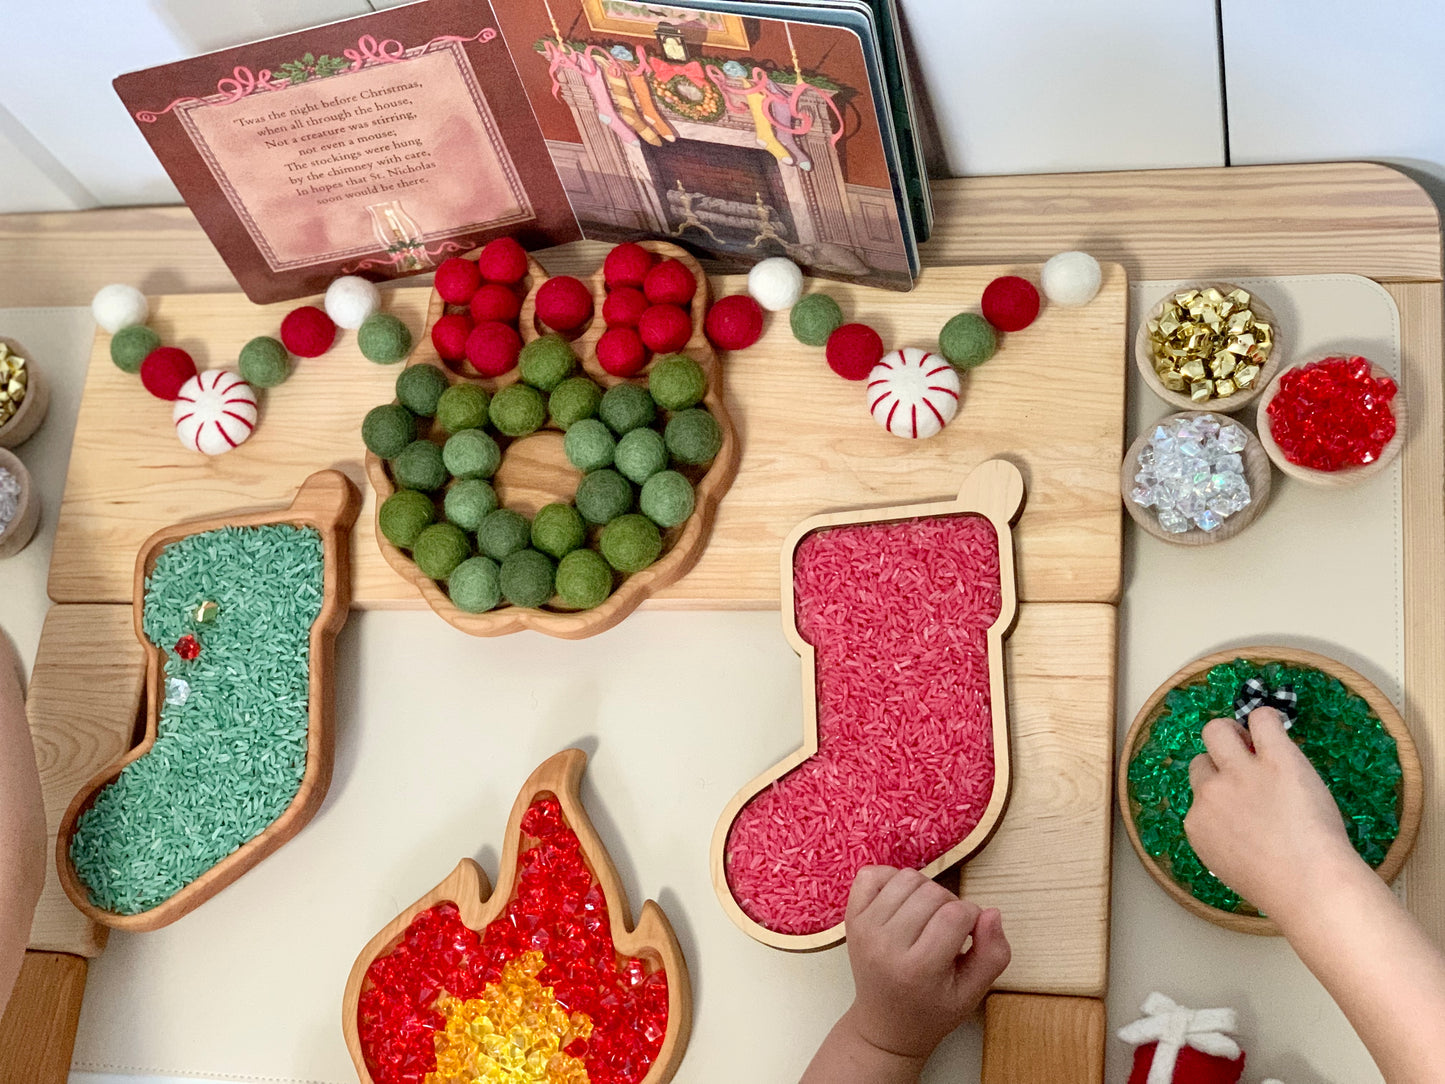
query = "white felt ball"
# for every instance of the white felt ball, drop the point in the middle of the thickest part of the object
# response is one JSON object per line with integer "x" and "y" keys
{"x": 350, "y": 300}
{"x": 1071, "y": 279}
{"x": 912, "y": 393}
{"x": 776, "y": 283}
{"x": 119, "y": 306}
{"x": 215, "y": 412}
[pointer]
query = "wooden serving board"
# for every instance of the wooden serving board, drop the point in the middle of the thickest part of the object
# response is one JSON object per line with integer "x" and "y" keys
{"x": 1051, "y": 400}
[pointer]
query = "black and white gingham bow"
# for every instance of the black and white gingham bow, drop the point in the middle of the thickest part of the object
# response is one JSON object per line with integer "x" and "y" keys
{"x": 1254, "y": 693}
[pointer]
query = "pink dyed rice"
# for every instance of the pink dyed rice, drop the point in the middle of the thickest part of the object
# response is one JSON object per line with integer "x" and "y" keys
{"x": 898, "y": 614}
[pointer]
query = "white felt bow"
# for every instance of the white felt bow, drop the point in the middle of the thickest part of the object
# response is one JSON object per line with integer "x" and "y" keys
{"x": 1174, "y": 1027}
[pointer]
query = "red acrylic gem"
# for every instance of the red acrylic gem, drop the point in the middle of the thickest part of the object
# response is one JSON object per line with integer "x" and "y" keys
{"x": 188, "y": 647}
{"x": 1333, "y": 414}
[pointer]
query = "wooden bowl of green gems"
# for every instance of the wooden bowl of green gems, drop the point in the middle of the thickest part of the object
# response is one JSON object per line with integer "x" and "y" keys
{"x": 1347, "y": 728}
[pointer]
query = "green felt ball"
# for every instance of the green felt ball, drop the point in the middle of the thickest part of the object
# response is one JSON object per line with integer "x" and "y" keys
{"x": 589, "y": 445}
{"x": 420, "y": 466}
{"x": 667, "y": 498}
{"x": 572, "y": 400}
{"x": 475, "y": 585}
{"x": 676, "y": 382}
{"x": 462, "y": 406}
{"x": 546, "y": 362}
{"x": 404, "y": 515}
{"x": 814, "y": 318}
{"x": 503, "y": 532}
{"x": 557, "y": 530}
{"x": 641, "y": 454}
{"x": 518, "y": 410}
{"x": 602, "y": 496}
{"x": 130, "y": 345}
{"x": 631, "y": 543}
{"x": 440, "y": 549}
{"x": 626, "y": 407}
{"x": 387, "y": 429}
{"x": 527, "y": 578}
{"x": 967, "y": 340}
{"x": 383, "y": 339}
{"x": 419, "y": 387}
{"x": 693, "y": 436}
{"x": 471, "y": 454}
{"x": 468, "y": 502}
{"x": 264, "y": 362}
{"x": 584, "y": 579}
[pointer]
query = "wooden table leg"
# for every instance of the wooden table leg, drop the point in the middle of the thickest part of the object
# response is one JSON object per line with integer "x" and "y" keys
{"x": 1043, "y": 1039}
{"x": 37, "y": 1033}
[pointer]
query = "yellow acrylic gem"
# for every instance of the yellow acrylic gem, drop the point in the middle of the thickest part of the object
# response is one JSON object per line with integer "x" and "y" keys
{"x": 1223, "y": 389}
{"x": 1201, "y": 391}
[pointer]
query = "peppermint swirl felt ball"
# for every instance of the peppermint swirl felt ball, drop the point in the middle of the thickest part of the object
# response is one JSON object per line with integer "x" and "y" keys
{"x": 557, "y": 530}
{"x": 419, "y": 388}
{"x": 420, "y": 466}
{"x": 215, "y": 411}
{"x": 584, "y": 579}
{"x": 1071, "y": 279}
{"x": 471, "y": 453}
{"x": 625, "y": 407}
{"x": 967, "y": 340}
{"x": 693, "y": 437}
{"x": 264, "y": 362}
{"x": 589, "y": 445}
{"x": 502, "y": 533}
{"x": 404, "y": 515}
{"x": 384, "y": 339}
{"x": 640, "y": 454}
{"x": 350, "y": 300}
{"x": 667, "y": 499}
{"x": 439, "y": 549}
{"x": 547, "y": 361}
{"x": 527, "y": 578}
{"x": 573, "y": 400}
{"x": 468, "y": 502}
{"x": 518, "y": 409}
{"x": 676, "y": 382}
{"x": 119, "y": 306}
{"x": 462, "y": 406}
{"x": 307, "y": 332}
{"x": 912, "y": 393}
{"x": 630, "y": 543}
{"x": 387, "y": 429}
{"x": 776, "y": 283}
{"x": 814, "y": 318}
{"x": 602, "y": 496}
{"x": 131, "y": 345}
{"x": 475, "y": 585}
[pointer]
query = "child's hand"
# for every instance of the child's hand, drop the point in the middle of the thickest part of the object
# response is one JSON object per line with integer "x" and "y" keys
{"x": 1262, "y": 820}
{"x": 914, "y": 982}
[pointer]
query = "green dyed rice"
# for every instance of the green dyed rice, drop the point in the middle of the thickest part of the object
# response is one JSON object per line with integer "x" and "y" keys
{"x": 228, "y": 761}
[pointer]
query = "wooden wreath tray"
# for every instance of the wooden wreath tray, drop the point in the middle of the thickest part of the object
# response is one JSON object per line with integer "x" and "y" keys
{"x": 468, "y": 887}
{"x": 994, "y": 491}
{"x": 535, "y": 472}
{"x": 1411, "y": 782}
{"x": 329, "y": 503}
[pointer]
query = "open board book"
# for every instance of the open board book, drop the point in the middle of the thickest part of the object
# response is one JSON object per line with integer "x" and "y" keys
{"x": 383, "y": 144}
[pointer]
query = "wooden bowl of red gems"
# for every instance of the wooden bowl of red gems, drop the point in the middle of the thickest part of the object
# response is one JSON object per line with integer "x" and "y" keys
{"x": 1333, "y": 422}
{"x": 557, "y": 448}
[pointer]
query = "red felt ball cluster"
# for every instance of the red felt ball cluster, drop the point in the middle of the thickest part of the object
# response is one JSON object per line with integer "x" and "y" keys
{"x": 483, "y": 299}
{"x": 1332, "y": 414}
{"x": 647, "y": 309}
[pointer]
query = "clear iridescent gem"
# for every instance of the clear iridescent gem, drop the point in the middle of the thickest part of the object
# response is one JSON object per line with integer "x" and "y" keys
{"x": 178, "y": 691}
{"x": 1192, "y": 474}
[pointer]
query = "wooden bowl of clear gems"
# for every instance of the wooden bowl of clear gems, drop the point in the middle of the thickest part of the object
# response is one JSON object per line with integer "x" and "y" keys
{"x": 1213, "y": 346}
{"x": 1224, "y": 508}
{"x": 19, "y": 527}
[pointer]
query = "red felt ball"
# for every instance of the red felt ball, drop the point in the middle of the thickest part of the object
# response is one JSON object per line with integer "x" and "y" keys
{"x": 734, "y": 323}
{"x": 495, "y": 302}
{"x": 1010, "y": 303}
{"x": 307, "y": 332}
{"x": 457, "y": 280}
{"x": 564, "y": 303}
{"x": 503, "y": 260}
{"x": 492, "y": 348}
{"x": 853, "y": 350}
{"x": 626, "y": 265}
{"x": 664, "y": 328}
{"x": 166, "y": 370}
{"x": 620, "y": 352}
{"x": 449, "y": 335}
{"x": 624, "y": 306}
{"x": 669, "y": 283}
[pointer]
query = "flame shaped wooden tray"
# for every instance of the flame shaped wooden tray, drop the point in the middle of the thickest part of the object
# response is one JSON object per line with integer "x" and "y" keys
{"x": 468, "y": 887}
{"x": 328, "y": 502}
{"x": 535, "y": 471}
{"x": 995, "y": 491}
